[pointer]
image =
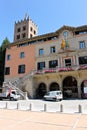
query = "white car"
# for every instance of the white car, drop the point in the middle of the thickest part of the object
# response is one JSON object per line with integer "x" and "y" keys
{"x": 54, "y": 95}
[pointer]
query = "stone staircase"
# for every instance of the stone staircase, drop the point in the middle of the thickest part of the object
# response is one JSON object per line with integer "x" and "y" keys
{"x": 18, "y": 84}
{"x": 13, "y": 85}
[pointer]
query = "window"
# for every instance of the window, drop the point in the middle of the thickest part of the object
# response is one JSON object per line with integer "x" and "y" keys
{"x": 53, "y": 63}
{"x": 24, "y": 28}
{"x": 8, "y": 57}
{"x": 34, "y": 32}
{"x": 21, "y": 69}
{"x": 19, "y": 29}
{"x": 22, "y": 55}
{"x": 31, "y": 29}
{"x": 41, "y": 52}
{"x": 18, "y": 36}
{"x": 7, "y": 70}
{"x": 23, "y": 35}
{"x": 31, "y": 35}
{"x": 65, "y": 33}
{"x": 82, "y": 44}
{"x": 40, "y": 65}
{"x": 83, "y": 60}
{"x": 52, "y": 49}
{"x": 67, "y": 62}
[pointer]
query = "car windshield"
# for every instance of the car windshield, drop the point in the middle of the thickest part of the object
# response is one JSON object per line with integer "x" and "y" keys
{"x": 58, "y": 93}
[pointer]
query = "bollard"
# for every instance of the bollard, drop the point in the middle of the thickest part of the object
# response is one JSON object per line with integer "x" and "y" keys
{"x": 79, "y": 108}
{"x": 61, "y": 108}
{"x": 18, "y": 105}
{"x": 45, "y": 107}
{"x": 30, "y": 107}
{"x": 6, "y": 106}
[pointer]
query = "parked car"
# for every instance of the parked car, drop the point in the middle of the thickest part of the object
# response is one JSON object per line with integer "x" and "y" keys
{"x": 54, "y": 95}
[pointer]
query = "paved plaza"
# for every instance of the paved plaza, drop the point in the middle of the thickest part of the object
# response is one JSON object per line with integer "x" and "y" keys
{"x": 27, "y": 120}
{"x": 18, "y": 115}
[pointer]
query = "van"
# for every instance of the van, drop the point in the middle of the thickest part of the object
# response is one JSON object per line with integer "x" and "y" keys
{"x": 54, "y": 95}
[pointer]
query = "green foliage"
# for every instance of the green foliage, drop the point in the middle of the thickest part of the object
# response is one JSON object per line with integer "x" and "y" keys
{"x": 4, "y": 43}
{"x": 2, "y": 58}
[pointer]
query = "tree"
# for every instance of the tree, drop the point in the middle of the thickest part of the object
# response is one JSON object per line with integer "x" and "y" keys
{"x": 4, "y": 44}
{"x": 2, "y": 58}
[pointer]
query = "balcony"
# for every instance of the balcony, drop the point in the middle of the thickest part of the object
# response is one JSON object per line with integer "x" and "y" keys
{"x": 60, "y": 69}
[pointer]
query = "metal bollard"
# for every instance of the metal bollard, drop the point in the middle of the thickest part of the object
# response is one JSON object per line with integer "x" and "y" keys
{"x": 45, "y": 107}
{"x": 61, "y": 108}
{"x": 79, "y": 108}
{"x": 18, "y": 105}
{"x": 6, "y": 106}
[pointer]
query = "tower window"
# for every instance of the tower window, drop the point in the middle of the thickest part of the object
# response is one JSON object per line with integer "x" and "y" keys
{"x": 34, "y": 32}
{"x": 31, "y": 29}
{"x": 24, "y": 28}
{"x": 31, "y": 35}
{"x": 18, "y": 36}
{"x": 23, "y": 35}
{"x": 19, "y": 29}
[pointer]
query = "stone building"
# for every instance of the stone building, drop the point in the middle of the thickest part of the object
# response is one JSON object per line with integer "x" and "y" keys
{"x": 54, "y": 61}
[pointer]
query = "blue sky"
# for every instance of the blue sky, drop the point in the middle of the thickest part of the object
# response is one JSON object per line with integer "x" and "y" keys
{"x": 49, "y": 15}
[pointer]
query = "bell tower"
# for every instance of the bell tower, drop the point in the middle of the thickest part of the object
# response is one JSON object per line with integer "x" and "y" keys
{"x": 24, "y": 29}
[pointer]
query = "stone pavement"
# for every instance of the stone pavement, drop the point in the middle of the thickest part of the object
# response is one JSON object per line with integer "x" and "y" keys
{"x": 29, "y": 120}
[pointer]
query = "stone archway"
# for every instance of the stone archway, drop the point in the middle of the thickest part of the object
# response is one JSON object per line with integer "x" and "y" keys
{"x": 84, "y": 89}
{"x": 70, "y": 89}
{"x": 54, "y": 86}
{"x": 41, "y": 90}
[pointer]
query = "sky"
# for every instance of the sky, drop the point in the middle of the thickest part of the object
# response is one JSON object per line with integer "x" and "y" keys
{"x": 48, "y": 15}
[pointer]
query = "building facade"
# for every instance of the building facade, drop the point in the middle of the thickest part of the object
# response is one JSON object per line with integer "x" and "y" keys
{"x": 54, "y": 61}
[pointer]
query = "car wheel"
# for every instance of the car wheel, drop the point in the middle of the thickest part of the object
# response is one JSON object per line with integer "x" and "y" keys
{"x": 57, "y": 100}
{"x": 11, "y": 99}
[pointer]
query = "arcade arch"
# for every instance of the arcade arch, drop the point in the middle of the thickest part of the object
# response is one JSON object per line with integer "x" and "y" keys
{"x": 41, "y": 90}
{"x": 54, "y": 86}
{"x": 70, "y": 89}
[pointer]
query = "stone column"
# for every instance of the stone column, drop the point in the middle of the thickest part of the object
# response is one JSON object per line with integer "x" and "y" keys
{"x": 60, "y": 82}
{"x": 46, "y": 64}
{"x": 79, "y": 89}
{"x": 59, "y": 61}
{"x": 77, "y": 61}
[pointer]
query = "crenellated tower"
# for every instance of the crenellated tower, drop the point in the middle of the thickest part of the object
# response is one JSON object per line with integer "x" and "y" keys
{"x": 25, "y": 29}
